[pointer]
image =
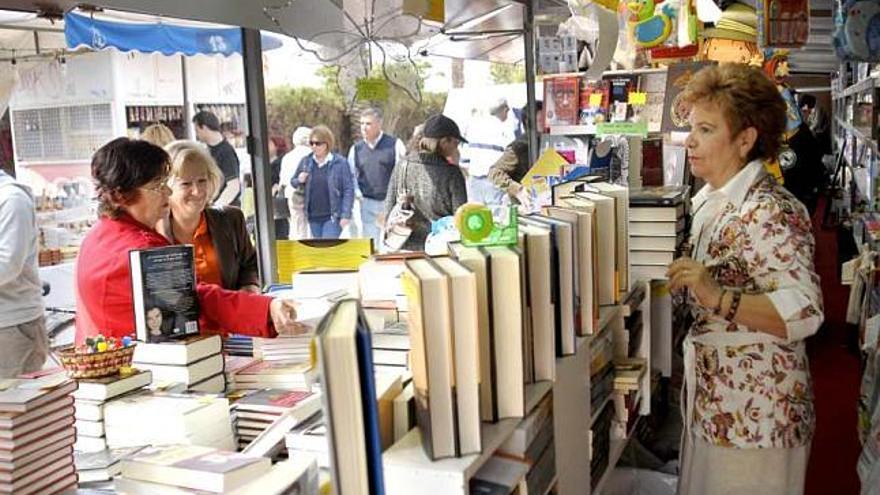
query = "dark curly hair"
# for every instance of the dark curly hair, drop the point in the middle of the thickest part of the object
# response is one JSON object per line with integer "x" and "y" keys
{"x": 746, "y": 98}
{"x": 120, "y": 167}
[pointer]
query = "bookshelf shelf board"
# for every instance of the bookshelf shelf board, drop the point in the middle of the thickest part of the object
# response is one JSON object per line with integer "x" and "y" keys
{"x": 572, "y": 130}
{"x": 610, "y": 72}
{"x": 859, "y": 134}
{"x": 616, "y": 450}
{"x": 607, "y": 315}
{"x": 859, "y": 87}
{"x": 535, "y": 393}
{"x": 599, "y": 409}
{"x": 409, "y": 470}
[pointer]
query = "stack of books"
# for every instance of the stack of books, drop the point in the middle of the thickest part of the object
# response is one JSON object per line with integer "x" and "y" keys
{"x": 90, "y": 399}
{"x": 93, "y": 467}
{"x": 182, "y": 469}
{"x": 239, "y": 345}
{"x": 289, "y": 375}
{"x": 657, "y": 229}
{"x": 195, "y": 362}
{"x": 37, "y": 435}
{"x": 234, "y": 364}
{"x": 280, "y": 410}
{"x": 283, "y": 348}
{"x": 533, "y": 444}
{"x": 309, "y": 438}
{"x": 391, "y": 348}
{"x": 157, "y": 418}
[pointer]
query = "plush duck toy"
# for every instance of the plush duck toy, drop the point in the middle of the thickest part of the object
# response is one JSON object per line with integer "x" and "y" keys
{"x": 650, "y": 29}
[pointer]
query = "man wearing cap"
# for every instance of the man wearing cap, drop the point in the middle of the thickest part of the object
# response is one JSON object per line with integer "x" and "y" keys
{"x": 510, "y": 168}
{"x": 487, "y": 139}
{"x": 432, "y": 180}
{"x": 372, "y": 160}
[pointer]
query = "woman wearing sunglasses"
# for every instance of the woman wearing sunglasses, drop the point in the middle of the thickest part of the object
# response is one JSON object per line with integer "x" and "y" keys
{"x": 328, "y": 184}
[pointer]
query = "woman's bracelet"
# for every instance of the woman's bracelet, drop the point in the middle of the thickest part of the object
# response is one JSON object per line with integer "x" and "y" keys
{"x": 717, "y": 310}
{"x": 734, "y": 305}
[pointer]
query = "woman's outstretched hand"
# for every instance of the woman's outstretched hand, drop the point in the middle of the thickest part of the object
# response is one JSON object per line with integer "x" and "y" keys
{"x": 283, "y": 314}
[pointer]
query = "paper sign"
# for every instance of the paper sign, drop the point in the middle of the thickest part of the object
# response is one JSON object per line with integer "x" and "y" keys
{"x": 596, "y": 100}
{"x": 622, "y": 129}
{"x": 638, "y": 98}
{"x": 372, "y": 89}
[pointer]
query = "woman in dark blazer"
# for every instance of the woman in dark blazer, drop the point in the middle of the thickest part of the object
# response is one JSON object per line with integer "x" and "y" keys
{"x": 328, "y": 184}
{"x": 224, "y": 254}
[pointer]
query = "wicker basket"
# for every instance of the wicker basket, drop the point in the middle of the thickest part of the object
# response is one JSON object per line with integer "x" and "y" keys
{"x": 95, "y": 365}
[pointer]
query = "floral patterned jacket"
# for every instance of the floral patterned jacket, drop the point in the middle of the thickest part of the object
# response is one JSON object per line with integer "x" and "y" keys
{"x": 753, "y": 390}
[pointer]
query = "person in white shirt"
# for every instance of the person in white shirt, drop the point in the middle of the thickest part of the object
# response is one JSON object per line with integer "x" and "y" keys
{"x": 299, "y": 226}
{"x": 24, "y": 344}
{"x": 487, "y": 139}
{"x": 372, "y": 160}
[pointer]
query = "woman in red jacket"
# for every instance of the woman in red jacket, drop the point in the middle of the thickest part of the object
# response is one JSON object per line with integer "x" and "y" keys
{"x": 131, "y": 178}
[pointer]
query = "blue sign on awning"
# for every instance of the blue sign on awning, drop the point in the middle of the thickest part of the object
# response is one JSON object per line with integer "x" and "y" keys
{"x": 165, "y": 38}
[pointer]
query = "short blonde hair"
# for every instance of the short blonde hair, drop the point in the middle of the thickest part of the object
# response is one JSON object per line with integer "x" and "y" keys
{"x": 746, "y": 98}
{"x": 190, "y": 155}
{"x": 323, "y": 134}
{"x": 158, "y": 134}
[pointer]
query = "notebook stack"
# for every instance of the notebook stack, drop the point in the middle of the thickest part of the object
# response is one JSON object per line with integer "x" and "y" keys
{"x": 195, "y": 362}
{"x": 90, "y": 399}
{"x": 157, "y": 418}
{"x": 657, "y": 229}
{"x": 286, "y": 348}
{"x": 275, "y": 409}
{"x": 182, "y": 469}
{"x": 37, "y": 436}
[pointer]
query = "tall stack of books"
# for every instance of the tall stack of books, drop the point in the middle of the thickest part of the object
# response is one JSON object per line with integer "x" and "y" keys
{"x": 37, "y": 435}
{"x": 90, "y": 399}
{"x": 156, "y": 418}
{"x": 276, "y": 409}
{"x": 657, "y": 229}
{"x": 189, "y": 469}
{"x": 195, "y": 362}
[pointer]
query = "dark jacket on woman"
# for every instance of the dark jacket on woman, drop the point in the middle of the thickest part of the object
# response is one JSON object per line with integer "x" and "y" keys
{"x": 232, "y": 244}
{"x": 235, "y": 252}
{"x": 437, "y": 189}
{"x": 339, "y": 179}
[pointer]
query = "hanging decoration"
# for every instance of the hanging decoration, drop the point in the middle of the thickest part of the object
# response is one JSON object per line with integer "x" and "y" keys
{"x": 649, "y": 27}
{"x": 734, "y": 38}
{"x": 376, "y": 42}
{"x": 857, "y": 30}
{"x": 605, "y": 14}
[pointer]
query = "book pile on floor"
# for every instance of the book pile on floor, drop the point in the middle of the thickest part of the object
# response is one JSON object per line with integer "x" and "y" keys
{"x": 184, "y": 469}
{"x": 657, "y": 223}
{"x": 532, "y": 443}
{"x": 91, "y": 398}
{"x": 262, "y": 418}
{"x": 283, "y": 348}
{"x": 158, "y": 418}
{"x": 195, "y": 362}
{"x": 36, "y": 435}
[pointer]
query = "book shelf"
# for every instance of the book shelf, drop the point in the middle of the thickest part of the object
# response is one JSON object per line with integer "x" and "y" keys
{"x": 854, "y": 127}
{"x": 408, "y": 469}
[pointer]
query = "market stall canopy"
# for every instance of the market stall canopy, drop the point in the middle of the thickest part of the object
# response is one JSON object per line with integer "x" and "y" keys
{"x": 156, "y": 36}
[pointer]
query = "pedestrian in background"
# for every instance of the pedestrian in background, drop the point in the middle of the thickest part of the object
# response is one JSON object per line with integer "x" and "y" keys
{"x": 328, "y": 186}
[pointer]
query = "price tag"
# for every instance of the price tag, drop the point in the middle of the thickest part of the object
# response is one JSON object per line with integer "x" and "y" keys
{"x": 372, "y": 89}
{"x": 596, "y": 100}
{"x": 638, "y": 98}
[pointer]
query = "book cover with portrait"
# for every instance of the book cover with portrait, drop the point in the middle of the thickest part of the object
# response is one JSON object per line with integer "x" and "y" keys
{"x": 163, "y": 284}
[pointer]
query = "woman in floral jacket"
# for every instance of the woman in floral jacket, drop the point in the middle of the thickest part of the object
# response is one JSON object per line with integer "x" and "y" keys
{"x": 754, "y": 294}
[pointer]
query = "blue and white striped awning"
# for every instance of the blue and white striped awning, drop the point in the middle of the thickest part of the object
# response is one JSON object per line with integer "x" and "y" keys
{"x": 162, "y": 37}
